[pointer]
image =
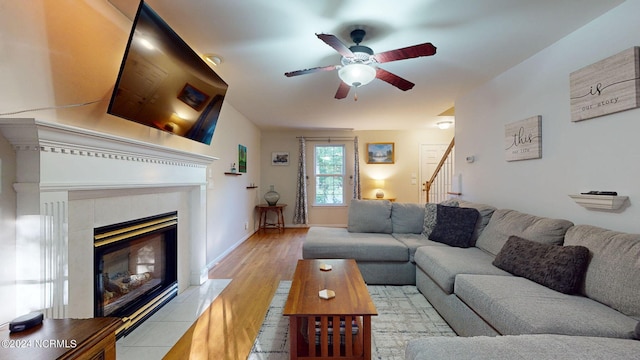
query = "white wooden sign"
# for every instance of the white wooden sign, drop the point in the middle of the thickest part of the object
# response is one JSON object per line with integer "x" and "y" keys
{"x": 608, "y": 86}
{"x": 523, "y": 139}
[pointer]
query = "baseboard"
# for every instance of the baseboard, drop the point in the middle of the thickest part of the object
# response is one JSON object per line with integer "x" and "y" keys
{"x": 215, "y": 261}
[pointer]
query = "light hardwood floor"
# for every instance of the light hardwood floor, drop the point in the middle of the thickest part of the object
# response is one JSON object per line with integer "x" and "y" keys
{"x": 228, "y": 328}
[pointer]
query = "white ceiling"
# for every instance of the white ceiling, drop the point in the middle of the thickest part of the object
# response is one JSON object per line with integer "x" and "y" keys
{"x": 260, "y": 40}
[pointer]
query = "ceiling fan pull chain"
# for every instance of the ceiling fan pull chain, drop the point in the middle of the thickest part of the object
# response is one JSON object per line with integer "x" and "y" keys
{"x": 355, "y": 93}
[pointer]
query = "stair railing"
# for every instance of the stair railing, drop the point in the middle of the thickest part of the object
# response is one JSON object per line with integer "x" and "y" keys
{"x": 438, "y": 188}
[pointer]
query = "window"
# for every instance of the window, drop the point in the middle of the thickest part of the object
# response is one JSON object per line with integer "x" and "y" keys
{"x": 329, "y": 174}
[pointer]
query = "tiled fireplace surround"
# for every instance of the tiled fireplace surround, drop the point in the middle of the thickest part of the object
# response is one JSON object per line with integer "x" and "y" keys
{"x": 71, "y": 180}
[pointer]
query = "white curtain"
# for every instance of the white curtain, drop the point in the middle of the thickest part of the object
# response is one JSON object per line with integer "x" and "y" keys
{"x": 300, "y": 212}
{"x": 356, "y": 170}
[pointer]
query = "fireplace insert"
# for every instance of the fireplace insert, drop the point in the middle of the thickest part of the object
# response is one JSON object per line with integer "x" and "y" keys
{"x": 135, "y": 268}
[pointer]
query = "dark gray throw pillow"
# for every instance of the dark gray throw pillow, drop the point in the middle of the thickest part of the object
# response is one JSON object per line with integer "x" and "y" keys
{"x": 454, "y": 225}
{"x": 557, "y": 267}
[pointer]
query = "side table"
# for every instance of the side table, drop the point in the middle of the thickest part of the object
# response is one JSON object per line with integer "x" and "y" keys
{"x": 263, "y": 210}
{"x": 93, "y": 338}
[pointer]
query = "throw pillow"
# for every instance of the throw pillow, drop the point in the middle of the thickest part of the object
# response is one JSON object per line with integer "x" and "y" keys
{"x": 454, "y": 226}
{"x": 557, "y": 267}
{"x": 430, "y": 210}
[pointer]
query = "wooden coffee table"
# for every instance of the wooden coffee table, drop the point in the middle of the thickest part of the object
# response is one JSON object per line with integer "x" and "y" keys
{"x": 311, "y": 318}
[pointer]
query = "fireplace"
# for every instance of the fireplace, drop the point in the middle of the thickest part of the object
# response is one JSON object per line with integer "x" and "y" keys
{"x": 135, "y": 268}
{"x": 70, "y": 181}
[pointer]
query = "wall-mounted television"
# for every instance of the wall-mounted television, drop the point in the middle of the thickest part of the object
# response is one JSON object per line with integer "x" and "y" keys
{"x": 164, "y": 84}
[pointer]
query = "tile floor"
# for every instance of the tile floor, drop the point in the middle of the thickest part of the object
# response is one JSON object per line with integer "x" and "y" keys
{"x": 155, "y": 337}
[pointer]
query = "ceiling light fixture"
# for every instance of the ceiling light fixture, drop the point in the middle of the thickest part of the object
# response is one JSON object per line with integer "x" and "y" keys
{"x": 357, "y": 74}
{"x": 444, "y": 125}
{"x": 213, "y": 59}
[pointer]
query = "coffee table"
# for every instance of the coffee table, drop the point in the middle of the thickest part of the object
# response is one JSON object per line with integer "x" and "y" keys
{"x": 311, "y": 318}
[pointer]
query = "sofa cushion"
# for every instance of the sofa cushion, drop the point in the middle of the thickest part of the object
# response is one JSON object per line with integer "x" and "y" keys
{"x": 430, "y": 213}
{"x": 338, "y": 243}
{"x": 370, "y": 216}
{"x": 560, "y": 268}
{"x": 543, "y": 346}
{"x": 486, "y": 211}
{"x": 613, "y": 274}
{"x": 505, "y": 223}
{"x": 454, "y": 225}
{"x": 407, "y": 218}
{"x": 443, "y": 263}
{"x": 515, "y": 305}
{"x": 414, "y": 241}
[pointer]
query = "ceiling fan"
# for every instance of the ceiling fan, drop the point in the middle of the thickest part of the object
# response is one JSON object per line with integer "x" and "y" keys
{"x": 358, "y": 65}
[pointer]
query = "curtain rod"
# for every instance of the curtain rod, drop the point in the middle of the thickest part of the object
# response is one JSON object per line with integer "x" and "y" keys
{"x": 325, "y": 138}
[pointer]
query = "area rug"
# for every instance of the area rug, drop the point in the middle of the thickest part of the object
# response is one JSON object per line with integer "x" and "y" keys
{"x": 403, "y": 314}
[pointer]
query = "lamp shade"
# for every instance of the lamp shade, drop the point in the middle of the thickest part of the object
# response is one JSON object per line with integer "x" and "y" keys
{"x": 357, "y": 74}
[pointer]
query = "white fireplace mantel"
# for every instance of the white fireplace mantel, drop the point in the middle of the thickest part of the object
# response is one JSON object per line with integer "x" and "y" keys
{"x": 54, "y": 160}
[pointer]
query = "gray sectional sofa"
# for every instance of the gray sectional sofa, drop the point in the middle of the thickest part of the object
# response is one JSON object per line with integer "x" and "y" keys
{"x": 555, "y": 281}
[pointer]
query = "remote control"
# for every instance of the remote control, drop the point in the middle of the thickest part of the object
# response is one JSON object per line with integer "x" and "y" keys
{"x": 25, "y": 322}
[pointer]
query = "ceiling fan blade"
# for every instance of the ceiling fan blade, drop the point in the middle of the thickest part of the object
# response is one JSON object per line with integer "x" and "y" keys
{"x": 343, "y": 90}
{"x": 335, "y": 43}
{"x": 394, "y": 79}
{"x": 311, "y": 70}
{"x": 426, "y": 49}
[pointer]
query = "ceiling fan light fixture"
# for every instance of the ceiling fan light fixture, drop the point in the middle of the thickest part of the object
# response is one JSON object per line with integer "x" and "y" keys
{"x": 357, "y": 74}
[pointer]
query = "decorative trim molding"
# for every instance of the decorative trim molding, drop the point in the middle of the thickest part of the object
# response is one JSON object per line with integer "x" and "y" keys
{"x": 35, "y": 135}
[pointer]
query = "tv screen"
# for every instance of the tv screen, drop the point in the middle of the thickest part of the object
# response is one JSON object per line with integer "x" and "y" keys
{"x": 164, "y": 84}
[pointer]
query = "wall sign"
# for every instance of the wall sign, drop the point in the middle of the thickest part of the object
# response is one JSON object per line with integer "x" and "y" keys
{"x": 608, "y": 86}
{"x": 523, "y": 139}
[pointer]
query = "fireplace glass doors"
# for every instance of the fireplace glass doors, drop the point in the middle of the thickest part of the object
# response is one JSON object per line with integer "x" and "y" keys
{"x": 135, "y": 267}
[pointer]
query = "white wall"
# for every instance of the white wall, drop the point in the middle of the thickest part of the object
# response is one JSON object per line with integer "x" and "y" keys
{"x": 62, "y": 52}
{"x": 595, "y": 154}
{"x": 230, "y": 203}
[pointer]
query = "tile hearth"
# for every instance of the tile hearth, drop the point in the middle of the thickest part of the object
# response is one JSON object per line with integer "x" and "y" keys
{"x": 155, "y": 337}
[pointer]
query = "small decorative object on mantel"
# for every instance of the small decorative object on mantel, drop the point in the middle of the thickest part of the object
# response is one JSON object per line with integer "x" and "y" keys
{"x": 272, "y": 196}
{"x": 232, "y": 168}
{"x": 607, "y": 86}
{"x": 523, "y": 139}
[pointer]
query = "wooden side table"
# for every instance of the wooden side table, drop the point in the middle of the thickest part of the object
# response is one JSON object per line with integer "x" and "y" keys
{"x": 263, "y": 210}
{"x": 63, "y": 339}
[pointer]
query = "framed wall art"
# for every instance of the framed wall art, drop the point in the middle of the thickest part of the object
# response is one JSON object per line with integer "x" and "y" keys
{"x": 523, "y": 139}
{"x": 380, "y": 153}
{"x": 242, "y": 158}
{"x": 280, "y": 158}
{"x": 608, "y": 86}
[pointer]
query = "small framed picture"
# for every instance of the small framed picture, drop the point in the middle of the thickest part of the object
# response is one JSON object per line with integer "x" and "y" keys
{"x": 242, "y": 158}
{"x": 280, "y": 158}
{"x": 380, "y": 153}
{"x": 193, "y": 97}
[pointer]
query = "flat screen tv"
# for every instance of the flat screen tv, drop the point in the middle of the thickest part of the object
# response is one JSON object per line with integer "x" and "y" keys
{"x": 164, "y": 84}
